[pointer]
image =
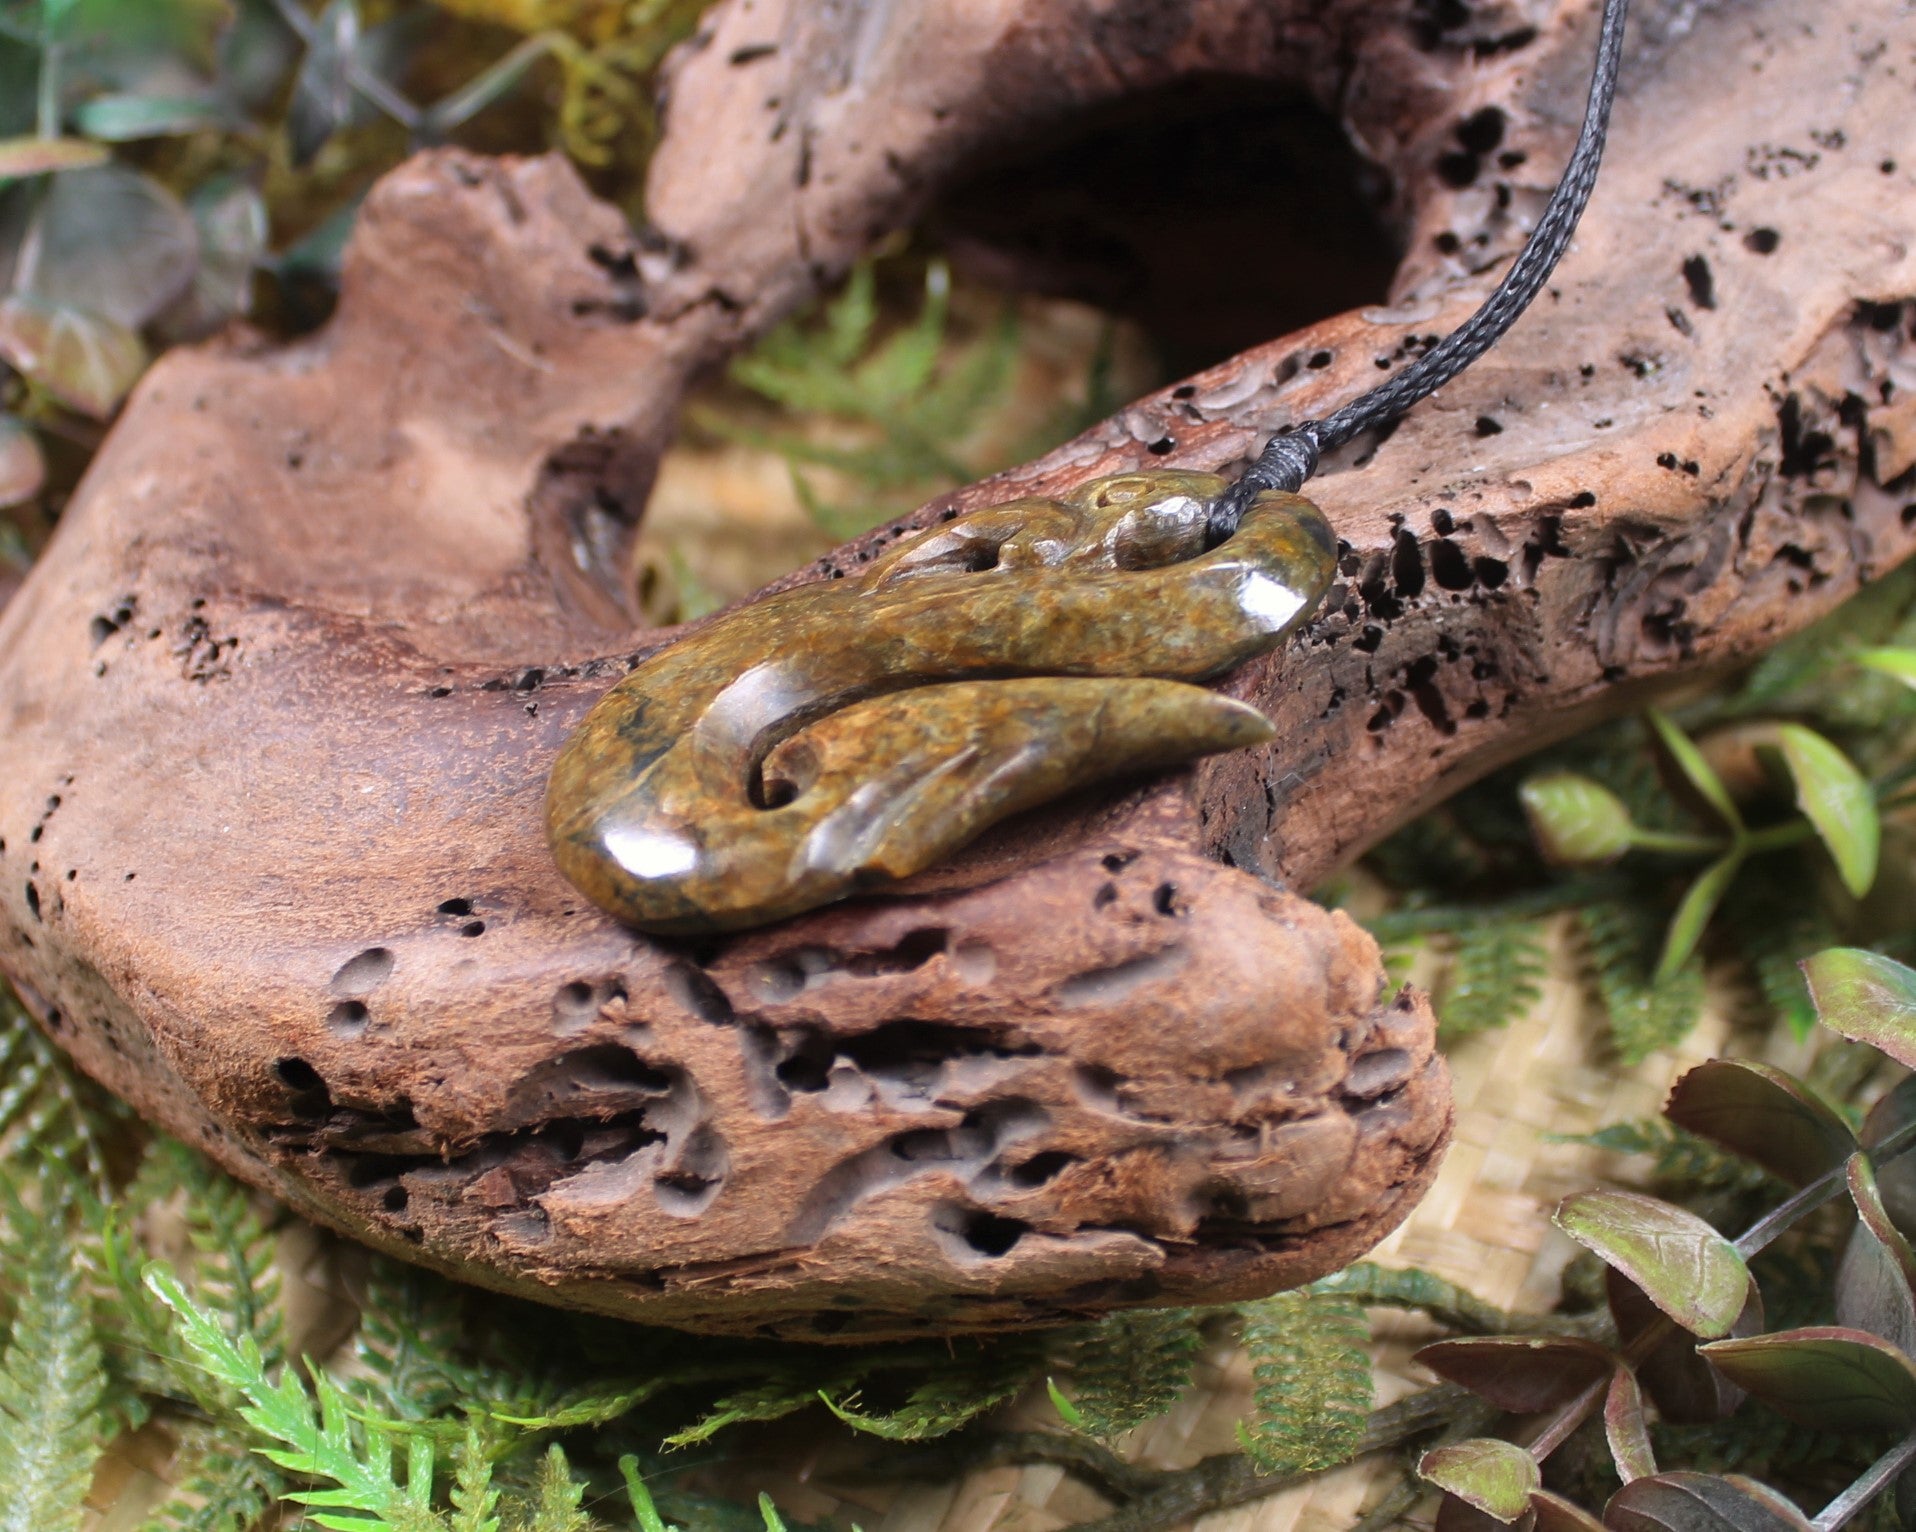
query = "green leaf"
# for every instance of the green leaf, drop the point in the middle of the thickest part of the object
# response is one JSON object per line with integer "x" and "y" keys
{"x": 851, "y": 316}
{"x": 107, "y": 241}
{"x": 892, "y": 413}
{"x": 84, "y": 360}
{"x": 1496, "y": 1477}
{"x": 1835, "y": 798}
{"x": 1763, "y": 1114}
{"x": 1682, "y": 1265}
{"x": 1693, "y": 913}
{"x": 1866, "y": 997}
{"x": 23, "y": 467}
{"x": 1575, "y": 820}
{"x": 1495, "y": 975}
{"x": 1524, "y": 1374}
{"x": 1695, "y": 1502}
{"x": 1131, "y": 1368}
{"x": 1697, "y": 771}
{"x": 1068, "y": 1412}
{"x": 23, "y": 157}
{"x": 1310, "y": 1380}
{"x": 1828, "y": 1378}
{"x": 51, "y": 1383}
{"x": 1625, "y": 1428}
{"x": 123, "y": 117}
{"x": 1453, "y": 1307}
{"x": 1646, "y": 1012}
{"x": 773, "y": 1521}
{"x": 1900, "y": 664}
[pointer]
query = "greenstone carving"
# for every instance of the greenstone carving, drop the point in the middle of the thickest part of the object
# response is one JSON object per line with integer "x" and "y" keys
{"x": 844, "y": 734}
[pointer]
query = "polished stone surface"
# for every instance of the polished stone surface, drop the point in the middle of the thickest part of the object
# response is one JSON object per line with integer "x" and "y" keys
{"x": 841, "y": 735}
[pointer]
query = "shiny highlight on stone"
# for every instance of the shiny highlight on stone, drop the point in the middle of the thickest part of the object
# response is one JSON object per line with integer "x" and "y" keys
{"x": 839, "y": 736}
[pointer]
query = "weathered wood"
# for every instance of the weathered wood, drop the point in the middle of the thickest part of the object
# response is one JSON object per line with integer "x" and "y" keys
{"x": 280, "y": 699}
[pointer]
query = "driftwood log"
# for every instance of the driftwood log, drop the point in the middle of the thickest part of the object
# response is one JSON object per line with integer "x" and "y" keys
{"x": 277, "y": 705}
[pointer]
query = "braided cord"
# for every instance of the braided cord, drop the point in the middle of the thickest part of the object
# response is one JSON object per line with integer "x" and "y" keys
{"x": 1289, "y": 459}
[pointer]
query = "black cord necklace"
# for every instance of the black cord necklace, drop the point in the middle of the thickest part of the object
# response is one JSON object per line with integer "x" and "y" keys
{"x": 1289, "y": 459}
{"x": 836, "y": 737}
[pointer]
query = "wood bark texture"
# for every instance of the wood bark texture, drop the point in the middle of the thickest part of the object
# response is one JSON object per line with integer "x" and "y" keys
{"x": 279, "y": 701}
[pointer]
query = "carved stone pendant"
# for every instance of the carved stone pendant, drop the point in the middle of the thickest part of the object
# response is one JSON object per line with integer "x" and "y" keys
{"x": 844, "y": 735}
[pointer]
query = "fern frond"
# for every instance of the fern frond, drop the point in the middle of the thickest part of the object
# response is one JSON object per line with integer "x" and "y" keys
{"x": 1791, "y": 677}
{"x": 143, "y": 1354}
{"x": 1455, "y": 1308}
{"x": 1774, "y": 926}
{"x": 475, "y": 1499}
{"x": 234, "y": 1270}
{"x": 951, "y": 1396}
{"x": 1132, "y": 1367}
{"x": 1622, "y": 940}
{"x": 219, "y": 1487}
{"x": 408, "y": 1343}
{"x": 1681, "y": 1163}
{"x": 900, "y": 407}
{"x": 557, "y": 1497}
{"x": 312, "y": 1435}
{"x": 1311, "y": 1380}
{"x": 593, "y": 1405}
{"x": 50, "y": 1114}
{"x": 1495, "y": 975}
{"x": 849, "y": 321}
{"x": 52, "y": 1380}
{"x": 784, "y": 1391}
{"x": 1433, "y": 853}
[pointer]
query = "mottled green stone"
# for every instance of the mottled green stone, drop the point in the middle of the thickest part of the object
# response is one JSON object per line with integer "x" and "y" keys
{"x": 837, "y": 736}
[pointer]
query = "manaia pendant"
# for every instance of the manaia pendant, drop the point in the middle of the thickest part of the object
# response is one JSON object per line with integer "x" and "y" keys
{"x": 839, "y": 736}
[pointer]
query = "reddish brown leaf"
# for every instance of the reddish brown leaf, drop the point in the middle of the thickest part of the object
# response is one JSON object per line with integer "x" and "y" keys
{"x": 1696, "y": 1502}
{"x": 1876, "y": 1281}
{"x": 1555, "y": 1514}
{"x": 1827, "y": 1377}
{"x": 1686, "y": 1388}
{"x": 1764, "y": 1115}
{"x": 1520, "y": 1373}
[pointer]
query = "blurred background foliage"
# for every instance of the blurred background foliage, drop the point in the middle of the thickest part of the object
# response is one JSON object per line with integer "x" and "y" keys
{"x": 168, "y": 167}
